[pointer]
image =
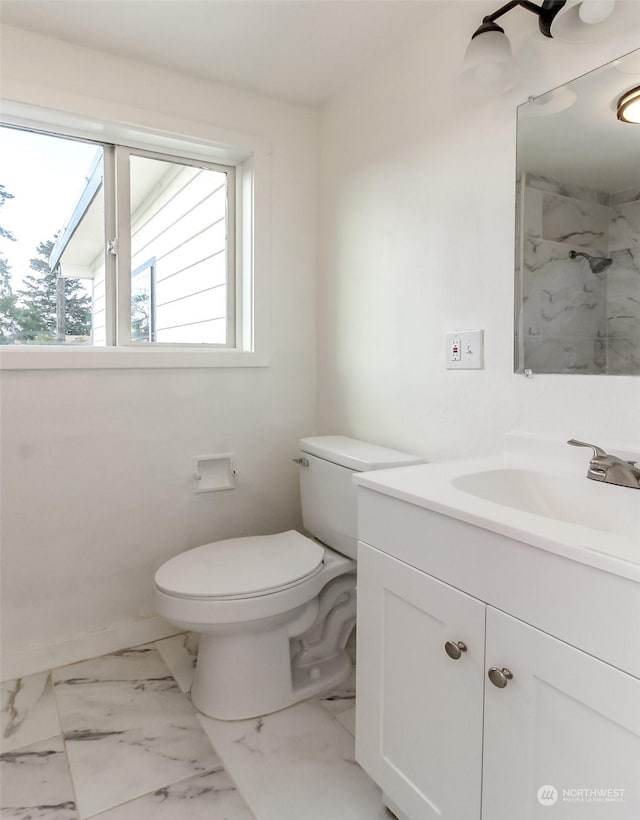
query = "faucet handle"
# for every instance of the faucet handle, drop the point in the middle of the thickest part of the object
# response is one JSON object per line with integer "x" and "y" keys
{"x": 597, "y": 451}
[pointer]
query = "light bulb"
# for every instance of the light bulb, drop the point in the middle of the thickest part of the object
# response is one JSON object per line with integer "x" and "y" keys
{"x": 488, "y": 60}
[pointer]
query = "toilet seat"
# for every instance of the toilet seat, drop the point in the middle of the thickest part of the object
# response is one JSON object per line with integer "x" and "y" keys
{"x": 240, "y": 568}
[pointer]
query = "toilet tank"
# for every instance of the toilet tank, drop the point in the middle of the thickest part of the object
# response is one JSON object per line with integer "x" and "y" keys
{"x": 328, "y": 495}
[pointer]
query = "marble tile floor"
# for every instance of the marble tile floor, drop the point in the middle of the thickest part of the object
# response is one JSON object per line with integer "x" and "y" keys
{"x": 117, "y": 738}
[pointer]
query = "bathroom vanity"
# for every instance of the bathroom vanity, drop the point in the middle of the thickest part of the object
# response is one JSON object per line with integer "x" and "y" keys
{"x": 499, "y": 639}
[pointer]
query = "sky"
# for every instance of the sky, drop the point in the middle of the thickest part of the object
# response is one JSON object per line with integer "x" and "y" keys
{"x": 46, "y": 175}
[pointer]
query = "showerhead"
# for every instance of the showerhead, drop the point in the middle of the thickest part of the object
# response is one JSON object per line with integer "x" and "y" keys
{"x": 598, "y": 264}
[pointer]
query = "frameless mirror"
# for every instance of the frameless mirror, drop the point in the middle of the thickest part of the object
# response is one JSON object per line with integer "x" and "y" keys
{"x": 577, "y": 262}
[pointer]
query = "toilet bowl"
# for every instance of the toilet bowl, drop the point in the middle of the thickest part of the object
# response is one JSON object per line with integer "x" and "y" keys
{"x": 258, "y": 650}
{"x": 274, "y": 612}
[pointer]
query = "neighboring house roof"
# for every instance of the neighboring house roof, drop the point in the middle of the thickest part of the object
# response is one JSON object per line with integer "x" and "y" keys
{"x": 88, "y": 232}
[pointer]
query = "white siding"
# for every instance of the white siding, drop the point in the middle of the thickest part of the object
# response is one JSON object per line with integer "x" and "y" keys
{"x": 181, "y": 223}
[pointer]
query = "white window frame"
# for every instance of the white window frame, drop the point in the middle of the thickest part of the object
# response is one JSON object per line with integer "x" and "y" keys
{"x": 123, "y": 154}
{"x": 196, "y": 141}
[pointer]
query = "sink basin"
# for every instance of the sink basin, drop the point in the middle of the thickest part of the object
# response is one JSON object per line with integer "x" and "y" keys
{"x": 558, "y": 496}
{"x": 535, "y": 492}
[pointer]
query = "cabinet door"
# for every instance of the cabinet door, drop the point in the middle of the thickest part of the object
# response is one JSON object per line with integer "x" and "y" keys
{"x": 418, "y": 711}
{"x": 562, "y": 738}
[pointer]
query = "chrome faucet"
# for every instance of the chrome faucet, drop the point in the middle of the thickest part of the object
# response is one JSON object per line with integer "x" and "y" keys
{"x": 610, "y": 469}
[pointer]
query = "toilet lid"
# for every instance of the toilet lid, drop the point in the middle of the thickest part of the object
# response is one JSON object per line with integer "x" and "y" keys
{"x": 241, "y": 567}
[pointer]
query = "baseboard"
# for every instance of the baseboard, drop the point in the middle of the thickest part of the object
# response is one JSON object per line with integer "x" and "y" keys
{"x": 83, "y": 647}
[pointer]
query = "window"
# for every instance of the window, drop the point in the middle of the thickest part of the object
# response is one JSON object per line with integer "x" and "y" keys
{"x": 45, "y": 180}
{"x": 132, "y": 248}
{"x": 143, "y": 302}
{"x": 180, "y": 213}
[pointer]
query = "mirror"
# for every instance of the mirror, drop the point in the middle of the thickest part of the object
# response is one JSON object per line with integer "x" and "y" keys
{"x": 577, "y": 262}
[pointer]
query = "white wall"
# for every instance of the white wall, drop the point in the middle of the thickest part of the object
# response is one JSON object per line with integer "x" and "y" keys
{"x": 96, "y": 465}
{"x": 417, "y": 238}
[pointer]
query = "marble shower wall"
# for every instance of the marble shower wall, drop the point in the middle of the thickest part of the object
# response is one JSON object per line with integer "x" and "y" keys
{"x": 572, "y": 320}
{"x": 623, "y": 284}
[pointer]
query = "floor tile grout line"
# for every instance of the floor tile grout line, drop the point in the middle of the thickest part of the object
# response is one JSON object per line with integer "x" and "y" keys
{"x": 229, "y": 775}
{"x": 219, "y": 768}
{"x": 188, "y": 658}
{"x": 334, "y": 715}
{"x": 64, "y": 743}
{"x": 29, "y": 709}
{"x": 17, "y": 749}
{"x": 220, "y": 765}
{"x": 199, "y": 716}
{"x": 91, "y": 658}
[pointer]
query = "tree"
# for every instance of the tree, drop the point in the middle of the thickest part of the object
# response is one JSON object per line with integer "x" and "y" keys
{"x": 9, "y": 311}
{"x": 8, "y": 300}
{"x": 4, "y": 195}
{"x": 39, "y": 299}
{"x": 31, "y": 314}
{"x": 141, "y": 317}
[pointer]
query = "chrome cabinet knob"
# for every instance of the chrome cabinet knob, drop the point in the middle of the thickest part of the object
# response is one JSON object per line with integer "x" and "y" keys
{"x": 455, "y": 650}
{"x": 500, "y": 677}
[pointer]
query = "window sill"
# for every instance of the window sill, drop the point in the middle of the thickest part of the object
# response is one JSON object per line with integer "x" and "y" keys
{"x": 98, "y": 358}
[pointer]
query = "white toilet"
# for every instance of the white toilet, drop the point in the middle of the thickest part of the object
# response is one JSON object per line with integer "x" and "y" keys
{"x": 274, "y": 612}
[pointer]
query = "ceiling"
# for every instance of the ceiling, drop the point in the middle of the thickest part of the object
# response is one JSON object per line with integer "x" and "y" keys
{"x": 302, "y": 51}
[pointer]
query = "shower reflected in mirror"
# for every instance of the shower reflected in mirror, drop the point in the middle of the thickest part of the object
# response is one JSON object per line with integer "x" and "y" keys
{"x": 598, "y": 264}
{"x": 577, "y": 261}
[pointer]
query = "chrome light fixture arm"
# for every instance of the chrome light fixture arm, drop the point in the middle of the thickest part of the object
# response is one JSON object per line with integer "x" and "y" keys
{"x": 546, "y": 14}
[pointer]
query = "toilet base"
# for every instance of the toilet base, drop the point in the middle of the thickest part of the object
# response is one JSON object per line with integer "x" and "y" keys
{"x": 322, "y": 676}
{"x": 239, "y": 677}
{"x": 252, "y": 669}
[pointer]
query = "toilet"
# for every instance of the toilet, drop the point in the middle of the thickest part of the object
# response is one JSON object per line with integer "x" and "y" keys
{"x": 274, "y": 612}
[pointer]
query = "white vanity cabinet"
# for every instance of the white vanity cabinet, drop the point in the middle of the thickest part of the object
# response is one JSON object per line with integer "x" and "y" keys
{"x": 440, "y": 603}
{"x": 418, "y": 712}
{"x": 565, "y": 720}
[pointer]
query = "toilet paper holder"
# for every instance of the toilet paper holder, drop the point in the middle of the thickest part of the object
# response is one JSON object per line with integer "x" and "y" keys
{"x": 213, "y": 473}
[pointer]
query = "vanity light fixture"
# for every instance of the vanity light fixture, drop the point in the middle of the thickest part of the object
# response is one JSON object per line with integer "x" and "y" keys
{"x": 629, "y": 106}
{"x": 488, "y": 56}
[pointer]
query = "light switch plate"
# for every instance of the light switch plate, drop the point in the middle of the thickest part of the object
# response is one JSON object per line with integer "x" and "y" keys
{"x": 465, "y": 350}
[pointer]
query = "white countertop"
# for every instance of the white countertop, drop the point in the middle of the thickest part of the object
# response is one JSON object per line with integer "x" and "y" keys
{"x": 610, "y": 541}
